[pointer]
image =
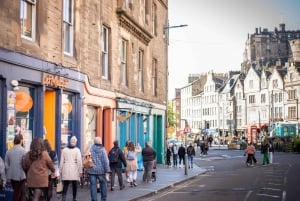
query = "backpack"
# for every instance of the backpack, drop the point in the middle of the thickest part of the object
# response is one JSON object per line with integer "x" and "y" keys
{"x": 113, "y": 155}
{"x": 131, "y": 155}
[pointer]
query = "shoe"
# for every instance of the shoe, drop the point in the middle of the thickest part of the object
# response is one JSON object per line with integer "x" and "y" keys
{"x": 122, "y": 187}
{"x": 131, "y": 184}
{"x": 112, "y": 189}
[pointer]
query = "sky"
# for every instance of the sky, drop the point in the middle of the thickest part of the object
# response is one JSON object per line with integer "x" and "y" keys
{"x": 216, "y": 32}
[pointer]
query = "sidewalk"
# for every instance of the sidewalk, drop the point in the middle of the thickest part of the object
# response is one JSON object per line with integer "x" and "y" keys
{"x": 166, "y": 178}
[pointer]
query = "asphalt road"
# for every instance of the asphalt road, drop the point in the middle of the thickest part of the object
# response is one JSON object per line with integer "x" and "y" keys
{"x": 229, "y": 179}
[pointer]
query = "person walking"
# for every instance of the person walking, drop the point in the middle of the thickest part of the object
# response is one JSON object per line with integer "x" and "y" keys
{"x": 271, "y": 151}
{"x": 149, "y": 155}
{"x": 175, "y": 155}
{"x": 124, "y": 150}
{"x": 265, "y": 152}
{"x": 131, "y": 163}
{"x": 70, "y": 167}
{"x": 36, "y": 164}
{"x": 168, "y": 156}
{"x": 181, "y": 154}
{"x": 191, "y": 154}
{"x": 99, "y": 170}
{"x": 116, "y": 159}
{"x": 51, "y": 180}
{"x": 2, "y": 174}
{"x": 13, "y": 165}
{"x": 250, "y": 151}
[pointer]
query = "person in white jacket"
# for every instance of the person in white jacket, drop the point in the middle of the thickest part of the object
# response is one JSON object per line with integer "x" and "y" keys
{"x": 70, "y": 167}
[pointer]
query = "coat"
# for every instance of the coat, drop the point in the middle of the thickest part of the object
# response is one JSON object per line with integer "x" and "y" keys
{"x": 37, "y": 171}
{"x": 13, "y": 163}
{"x": 100, "y": 159}
{"x": 70, "y": 166}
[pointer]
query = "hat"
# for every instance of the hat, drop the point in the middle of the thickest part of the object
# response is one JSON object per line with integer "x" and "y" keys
{"x": 73, "y": 141}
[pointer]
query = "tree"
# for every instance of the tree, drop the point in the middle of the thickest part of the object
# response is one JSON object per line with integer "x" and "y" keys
{"x": 171, "y": 116}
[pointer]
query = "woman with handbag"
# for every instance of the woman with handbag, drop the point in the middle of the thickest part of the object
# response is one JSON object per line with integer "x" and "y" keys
{"x": 36, "y": 164}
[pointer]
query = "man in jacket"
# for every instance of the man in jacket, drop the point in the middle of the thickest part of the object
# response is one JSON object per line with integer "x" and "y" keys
{"x": 149, "y": 155}
{"x": 99, "y": 170}
{"x": 13, "y": 165}
{"x": 116, "y": 158}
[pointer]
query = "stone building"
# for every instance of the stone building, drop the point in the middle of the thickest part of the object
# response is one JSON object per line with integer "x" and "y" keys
{"x": 85, "y": 68}
{"x": 265, "y": 48}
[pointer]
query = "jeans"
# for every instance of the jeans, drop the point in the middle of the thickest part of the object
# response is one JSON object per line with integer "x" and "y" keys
{"x": 19, "y": 187}
{"x": 175, "y": 160}
{"x": 148, "y": 165}
{"x": 93, "y": 186}
{"x": 190, "y": 160}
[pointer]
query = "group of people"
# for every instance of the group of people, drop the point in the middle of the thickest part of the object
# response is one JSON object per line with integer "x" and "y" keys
{"x": 38, "y": 170}
{"x": 178, "y": 155}
{"x": 267, "y": 149}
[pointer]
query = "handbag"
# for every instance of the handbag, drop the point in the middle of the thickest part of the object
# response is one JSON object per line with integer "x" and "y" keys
{"x": 88, "y": 160}
{"x": 59, "y": 187}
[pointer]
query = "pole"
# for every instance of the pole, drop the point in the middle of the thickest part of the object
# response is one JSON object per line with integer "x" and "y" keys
{"x": 185, "y": 157}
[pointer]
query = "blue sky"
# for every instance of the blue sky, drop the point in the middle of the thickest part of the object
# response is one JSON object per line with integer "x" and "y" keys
{"x": 217, "y": 31}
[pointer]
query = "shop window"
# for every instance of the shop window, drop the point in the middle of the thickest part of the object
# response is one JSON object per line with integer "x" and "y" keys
{"x": 66, "y": 119}
{"x": 90, "y": 125}
{"x": 20, "y": 115}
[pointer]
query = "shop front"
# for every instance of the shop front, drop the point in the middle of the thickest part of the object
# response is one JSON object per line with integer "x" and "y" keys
{"x": 39, "y": 99}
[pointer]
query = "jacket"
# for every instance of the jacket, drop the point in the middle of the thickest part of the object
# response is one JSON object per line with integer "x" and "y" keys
{"x": 121, "y": 159}
{"x": 70, "y": 164}
{"x": 37, "y": 171}
{"x": 13, "y": 163}
{"x": 149, "y": 154}
{"x": 181, "y": 151}
{"x": 100, "y": 159}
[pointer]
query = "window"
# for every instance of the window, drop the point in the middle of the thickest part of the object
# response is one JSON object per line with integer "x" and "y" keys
{"x": 292, "y": 112}
{"x": 140, "y": 70}
{"x": 105, "y": 52}
{"x": 68, "y": 27}
{"x": 275, "y": 83}
{"x": 66, "y": 118}
{"x": 124, "y": 63}
{"x": 263, "y": 98}
{"x": 251, "y": 84}
{"x": 154, "y": 19}
{"x": 292, "y": 94}
{"x": 252, "y": 99}
{"x": 28, "y": 18}
{"x": 154, "y": 77}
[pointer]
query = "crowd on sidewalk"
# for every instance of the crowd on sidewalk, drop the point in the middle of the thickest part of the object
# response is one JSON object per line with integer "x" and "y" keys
{"x": 32, "y": 174}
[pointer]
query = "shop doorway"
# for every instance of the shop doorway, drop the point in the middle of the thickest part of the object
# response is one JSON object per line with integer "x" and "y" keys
{"x": 49, "y": 117}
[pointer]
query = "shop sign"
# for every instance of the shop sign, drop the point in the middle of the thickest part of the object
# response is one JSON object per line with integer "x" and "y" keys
{"x": 54, "y": 81}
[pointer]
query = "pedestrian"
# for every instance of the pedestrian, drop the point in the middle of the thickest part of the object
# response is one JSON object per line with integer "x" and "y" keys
{"x": 181, "y": 154}
{"x": 13, "y": 165}
{"x": 168, "y": 156}
{"x": 175, "y": 154}
{"x": 191, "y": 154}
{"x": 271, "y": 151}
{"x": 116, "y": 159}
{"x": 2, "y": 174}
{"x": 36, "y": 164}
{"x": 250, "y": 151}
{"x": 149, "y": 155}
{"x": 131, "y": 163}
{"x": 70, "y": 168}
{"x": 124, "y": 150}
{"x": 51, "y": 180}
{"x": 265, "y": 152}
{"x": 99, "y": 171}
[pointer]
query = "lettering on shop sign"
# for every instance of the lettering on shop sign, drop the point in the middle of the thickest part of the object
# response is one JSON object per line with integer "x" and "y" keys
{"x": 54, "y": 81}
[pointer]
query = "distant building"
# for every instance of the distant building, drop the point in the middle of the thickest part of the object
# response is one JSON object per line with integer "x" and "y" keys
{"x": 265, "y": 48}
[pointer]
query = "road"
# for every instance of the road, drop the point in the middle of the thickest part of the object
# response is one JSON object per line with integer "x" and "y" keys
{"x": 228, "y": 179}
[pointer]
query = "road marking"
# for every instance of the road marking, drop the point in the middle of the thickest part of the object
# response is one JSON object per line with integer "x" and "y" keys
{"x": 272, "y": 189}
{"x": 283, "y": 195}
{"x": 247, "y": 195}
{"x": 267, "y": 195}
{"x": 275, "y": 184}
